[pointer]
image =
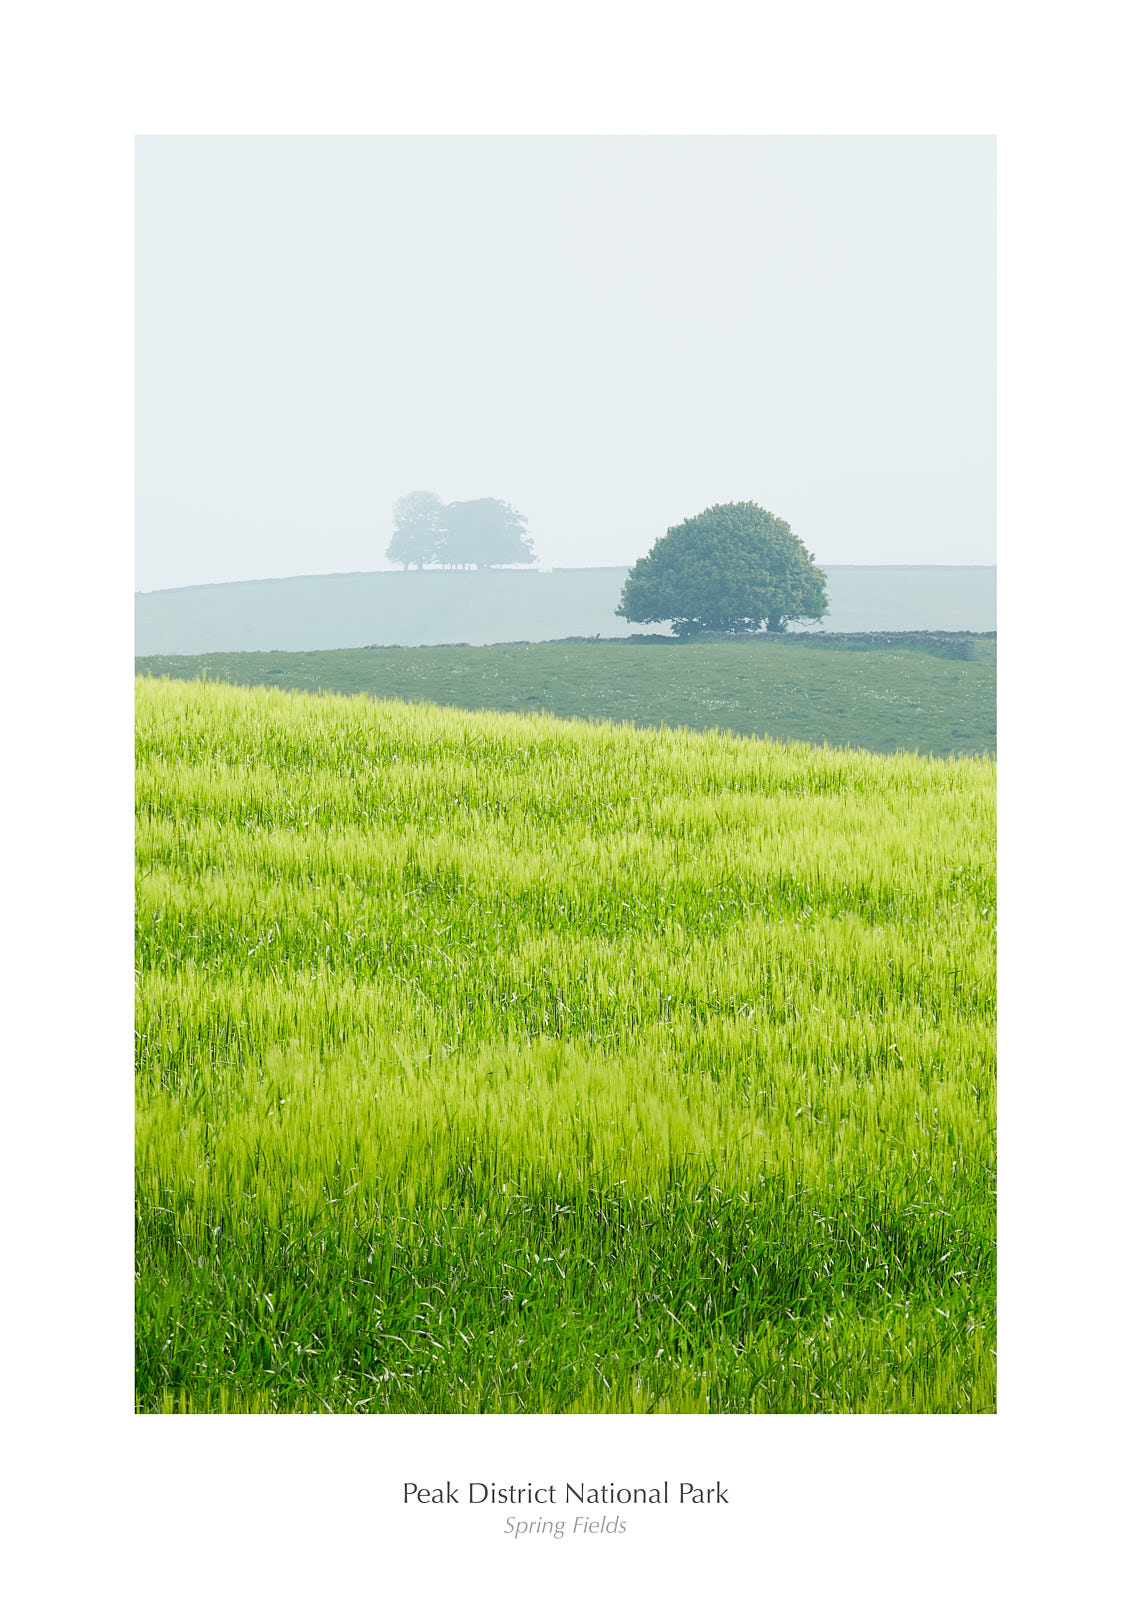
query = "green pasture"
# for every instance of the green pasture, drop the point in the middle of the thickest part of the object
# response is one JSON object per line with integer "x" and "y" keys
{"x": 493, "y": 1063}
{"x": 883, "y": 697}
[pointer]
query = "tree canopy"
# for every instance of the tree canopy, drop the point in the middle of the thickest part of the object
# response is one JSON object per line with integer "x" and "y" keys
{"x": 416, "y": 528}
{"x": 731, "y": 569}
{"x": 484, "y": 533}
{"x": 466, "y": 533}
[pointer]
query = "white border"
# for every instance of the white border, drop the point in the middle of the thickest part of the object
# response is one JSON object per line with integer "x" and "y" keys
{"x": 1020, "y": 1504}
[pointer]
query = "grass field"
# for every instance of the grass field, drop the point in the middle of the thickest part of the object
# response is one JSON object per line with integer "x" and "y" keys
{"x": 881, "y": 698}
{"x": 347, "y": 610}
{"x": 497, "y": 1063}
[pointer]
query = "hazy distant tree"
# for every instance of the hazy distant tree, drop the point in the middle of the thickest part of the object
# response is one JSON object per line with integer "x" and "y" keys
{"x": 484, "y": 533}
{"x": 416, "y": 529}
{"x": 730, "y": 569}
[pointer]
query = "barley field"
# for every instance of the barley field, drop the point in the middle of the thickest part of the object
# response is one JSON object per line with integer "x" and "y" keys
{"x": 494, "y": 1063}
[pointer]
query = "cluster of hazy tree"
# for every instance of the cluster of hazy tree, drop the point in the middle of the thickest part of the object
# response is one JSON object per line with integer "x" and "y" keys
{"x": 465, "y": 533}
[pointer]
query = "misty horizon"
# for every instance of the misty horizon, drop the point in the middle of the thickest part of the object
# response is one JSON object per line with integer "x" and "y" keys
{"x": 609, "y": 334}
{"x": 535, "y": 570}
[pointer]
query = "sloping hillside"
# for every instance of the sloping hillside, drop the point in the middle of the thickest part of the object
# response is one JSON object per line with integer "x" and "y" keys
{"x": 347, "y": 610}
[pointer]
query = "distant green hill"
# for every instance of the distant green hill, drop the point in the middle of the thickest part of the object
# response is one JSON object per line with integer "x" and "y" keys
{"x": 351, "y": 609}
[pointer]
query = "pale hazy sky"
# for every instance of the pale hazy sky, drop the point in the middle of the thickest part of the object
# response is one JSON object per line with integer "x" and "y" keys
{"x": 610, "y": 333}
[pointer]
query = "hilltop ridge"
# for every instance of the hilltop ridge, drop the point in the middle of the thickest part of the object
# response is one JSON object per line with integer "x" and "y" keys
{"x": 334, "y": 611}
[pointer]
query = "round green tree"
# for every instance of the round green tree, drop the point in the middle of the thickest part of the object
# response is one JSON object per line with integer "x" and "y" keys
{"x": 731, "y": 569}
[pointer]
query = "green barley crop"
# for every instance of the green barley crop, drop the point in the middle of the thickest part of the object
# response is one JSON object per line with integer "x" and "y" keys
{"x": 497, "y": 1063}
